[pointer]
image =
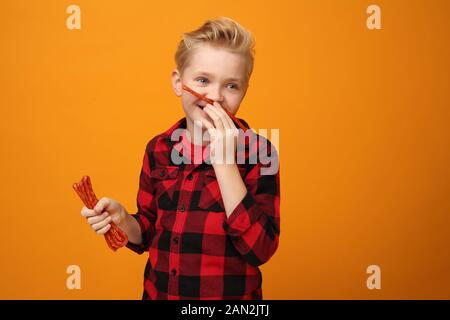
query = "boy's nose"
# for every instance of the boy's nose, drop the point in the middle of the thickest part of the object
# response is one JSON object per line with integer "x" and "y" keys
{"x": 215, "y": 94}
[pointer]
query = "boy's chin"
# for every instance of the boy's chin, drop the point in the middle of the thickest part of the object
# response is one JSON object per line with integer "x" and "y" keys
{"x": 198, "y": 118}
{"x": 200, "y": 123}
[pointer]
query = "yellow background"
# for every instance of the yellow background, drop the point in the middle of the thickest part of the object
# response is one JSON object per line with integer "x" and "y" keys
{"x": 364, "y": 139}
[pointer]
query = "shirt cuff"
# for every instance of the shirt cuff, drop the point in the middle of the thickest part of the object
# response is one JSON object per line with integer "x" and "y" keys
{"x": 242, "y": 217}
{"x": 139, "y": 248}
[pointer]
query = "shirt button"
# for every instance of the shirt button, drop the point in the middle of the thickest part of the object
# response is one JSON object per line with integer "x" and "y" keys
{"x": 173, "y": 272}
{"x": 175, "y": 240}
{"x": 182, "y": 208}
{"x": 189, "y": 177}
{"x": 161, "y": 174}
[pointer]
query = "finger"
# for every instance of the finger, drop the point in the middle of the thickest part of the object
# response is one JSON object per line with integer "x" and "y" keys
{"x": 214, "y": 115}
{"x": 101, "y": 224}
{"x": 229, "y": 127}
{"x": 208, "y": 125}
{"x": 231, "y": 118}
{"x": 204, "y": 123}
{"x": 102, "y": 205}
{"x": 231, "y": 124}
{"x": 98, "y": 218}
{"x": 228, "y": 123}
{"x": 233, "y": 128}
{"x": 211, "y": 130}
{"x": 104, "y": 230}
{"x": 86, "y": 212}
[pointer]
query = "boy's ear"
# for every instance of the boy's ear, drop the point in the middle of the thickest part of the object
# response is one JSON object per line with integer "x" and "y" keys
{"x": 176, "y": 82}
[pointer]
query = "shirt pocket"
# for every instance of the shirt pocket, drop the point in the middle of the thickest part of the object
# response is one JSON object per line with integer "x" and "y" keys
{"x": 210, "y": 196}
{"x": 164, "y": 181}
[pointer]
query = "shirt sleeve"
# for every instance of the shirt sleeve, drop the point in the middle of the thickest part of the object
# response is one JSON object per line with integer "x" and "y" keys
{"x": 254, "y": 225}
{"x": 146, "y": 214}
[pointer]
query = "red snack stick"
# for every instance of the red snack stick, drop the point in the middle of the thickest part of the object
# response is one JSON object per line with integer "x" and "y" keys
{"x": 115, "y": 237}
{"x": 85, "y": 190}
{"x": 75, "y": 187}
{"x": 112, "y": 241}
{"x": 207, "y": 100}
{"x": 91, "y": 200}
{"x": 88, "y": 191}
{"x": 119, "y": 238}
{"x": 198, "y": 95}
{"x": 78, "y": 188}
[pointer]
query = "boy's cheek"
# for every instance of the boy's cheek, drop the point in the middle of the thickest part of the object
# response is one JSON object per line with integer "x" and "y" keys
{"x": 234, "y": 108}
{"x": 186, "y": 104}
{"x": 188, "y": 107}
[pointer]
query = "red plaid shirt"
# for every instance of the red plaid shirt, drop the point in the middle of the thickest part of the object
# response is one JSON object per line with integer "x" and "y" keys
{"x": 195, "y": 251}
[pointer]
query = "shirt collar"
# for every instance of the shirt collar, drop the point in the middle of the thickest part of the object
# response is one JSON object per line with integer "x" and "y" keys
{"x": 182, "y": 145}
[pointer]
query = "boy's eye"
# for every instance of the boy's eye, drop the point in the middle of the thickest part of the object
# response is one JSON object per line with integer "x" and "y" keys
{"x": 202, "y": 80}
{"x": 232, "y": 86}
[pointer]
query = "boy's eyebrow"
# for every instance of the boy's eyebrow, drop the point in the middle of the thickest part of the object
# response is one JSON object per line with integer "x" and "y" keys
{"x": 210, "y": 75}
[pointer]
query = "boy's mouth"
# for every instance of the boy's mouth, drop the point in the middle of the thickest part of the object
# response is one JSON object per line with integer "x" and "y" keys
{"x": 203, "y": 113}
{"x": 207, "y": 100}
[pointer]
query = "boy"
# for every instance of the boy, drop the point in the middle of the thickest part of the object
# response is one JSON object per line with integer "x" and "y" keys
{"x": 207, "y": 227}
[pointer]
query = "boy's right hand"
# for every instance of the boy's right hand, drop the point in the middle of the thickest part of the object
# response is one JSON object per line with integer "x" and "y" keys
{"x": 105, "y": 211}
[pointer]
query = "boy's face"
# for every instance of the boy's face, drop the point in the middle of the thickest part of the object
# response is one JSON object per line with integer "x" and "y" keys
{"x": 215, "y": 73}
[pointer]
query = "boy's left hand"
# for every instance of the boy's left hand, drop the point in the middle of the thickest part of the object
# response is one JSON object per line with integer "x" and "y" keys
{"x": 223, "y": 135}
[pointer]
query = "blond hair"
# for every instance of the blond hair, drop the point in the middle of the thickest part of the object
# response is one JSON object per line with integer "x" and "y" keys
{"x": 221, "y": 33}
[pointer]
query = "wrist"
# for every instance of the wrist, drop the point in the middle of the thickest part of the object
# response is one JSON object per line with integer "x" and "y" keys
{"x": 123, "y": 217}
{"x": 225, "y": 168}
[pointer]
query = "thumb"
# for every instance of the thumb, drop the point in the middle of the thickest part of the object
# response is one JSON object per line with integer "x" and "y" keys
{"x": 102, "y": 205}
